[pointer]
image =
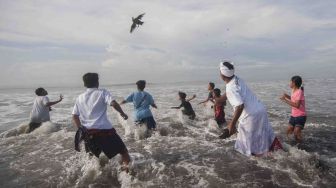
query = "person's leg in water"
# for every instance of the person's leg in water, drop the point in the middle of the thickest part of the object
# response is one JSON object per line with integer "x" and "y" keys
{"x": 125, "y": 159}
{"x": 297, "y": 134}
{"x": 290, "y": 130}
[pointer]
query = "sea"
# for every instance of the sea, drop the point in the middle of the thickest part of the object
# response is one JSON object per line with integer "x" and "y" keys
{"x": 181, "y": 153}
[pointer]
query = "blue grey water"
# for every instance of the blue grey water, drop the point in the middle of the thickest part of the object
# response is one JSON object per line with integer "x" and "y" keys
{"x": 182, "y": 153}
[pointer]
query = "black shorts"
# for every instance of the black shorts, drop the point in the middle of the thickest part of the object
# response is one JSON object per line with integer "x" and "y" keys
{"x": 220, "y": 121}
{"x": 297, "y": 121}
{"x": 107, "y": 141}
{"x": 149, "y": 121}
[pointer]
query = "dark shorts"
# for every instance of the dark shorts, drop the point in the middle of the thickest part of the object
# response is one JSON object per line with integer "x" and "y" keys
{"x": 107, "y": 141}
{"x": 220, "y": 121}
{"x": 33, "y": 126}
{"x": 297, "y": 121}
{"x": 191, "y": 115}
{"x": 149, "y": 121}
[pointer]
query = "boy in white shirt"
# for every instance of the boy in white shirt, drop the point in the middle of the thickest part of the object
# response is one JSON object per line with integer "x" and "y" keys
{"x": 41, "y": 108}
{"x": 90, "y": 112}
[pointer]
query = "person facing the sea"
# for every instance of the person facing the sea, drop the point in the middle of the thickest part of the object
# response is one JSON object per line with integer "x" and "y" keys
{"x": 41, "y": 108}
{"x": 255, "y": 134}
{"x": 89, "y": 112}
{"x": 185, "y": 103}
{"x": 142, "y": 101}
{"x": 211, "y": 87}
{"x": 219, "y": 107}
{"x": 297, "y": 102}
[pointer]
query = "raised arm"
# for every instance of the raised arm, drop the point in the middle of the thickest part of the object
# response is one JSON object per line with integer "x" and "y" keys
{"x": 55, "y": 102}
{"x": 194, "y": 96}
{"x": 117, "y": 107}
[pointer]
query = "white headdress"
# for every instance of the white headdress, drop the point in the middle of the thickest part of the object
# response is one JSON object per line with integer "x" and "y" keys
{"x": 225, "y": 70}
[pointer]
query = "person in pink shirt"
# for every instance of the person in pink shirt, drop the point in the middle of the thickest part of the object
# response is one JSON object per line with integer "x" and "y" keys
{"x": 297, "y": 102}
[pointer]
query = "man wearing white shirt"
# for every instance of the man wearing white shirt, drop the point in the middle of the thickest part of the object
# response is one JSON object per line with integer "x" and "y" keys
{"x": 90, "y": 112}
{"x": 255, "y": 134}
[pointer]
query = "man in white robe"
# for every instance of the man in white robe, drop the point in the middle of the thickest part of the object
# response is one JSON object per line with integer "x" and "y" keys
{"x": 255, "y": 134}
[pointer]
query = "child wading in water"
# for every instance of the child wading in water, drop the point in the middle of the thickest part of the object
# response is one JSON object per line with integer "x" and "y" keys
{"x": 297, "y": 102}
{"x": 185, "y": 103}
{"x": 219, "y": 107}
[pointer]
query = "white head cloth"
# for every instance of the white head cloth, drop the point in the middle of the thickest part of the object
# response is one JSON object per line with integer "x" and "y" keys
{"x": 226, "y": 71}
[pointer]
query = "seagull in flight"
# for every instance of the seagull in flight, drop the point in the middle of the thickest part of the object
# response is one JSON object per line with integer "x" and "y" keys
{"x": 136, "y": 22}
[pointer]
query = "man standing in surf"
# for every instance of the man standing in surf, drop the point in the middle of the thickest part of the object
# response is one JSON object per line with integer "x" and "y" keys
{"x": 89, "y": 113}
{"x": 255, "y": 134}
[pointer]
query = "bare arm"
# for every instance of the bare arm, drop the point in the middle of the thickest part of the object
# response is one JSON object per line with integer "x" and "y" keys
{"x": 117, "y": 107}
{"x": 55, "y": 102}
{"x": 295, "y": 104}
{"x": 222, "y": 99}
{"x": 238, "y": 111}
{"x": 194, "y": 96}
{"x": 76, "y": 121}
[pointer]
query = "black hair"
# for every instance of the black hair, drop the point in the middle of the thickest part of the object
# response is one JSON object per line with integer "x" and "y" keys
{"x": 217, "y": 92}
{"x": 212, "y": 85}
{"x": 40, "y": 91}
{"x": 141, "y": 84}
{"x": 91, "y": 80}
{"x": 297, "y": 80}
{"x": 182, "y": 95}
{"x": 228, "y": 65}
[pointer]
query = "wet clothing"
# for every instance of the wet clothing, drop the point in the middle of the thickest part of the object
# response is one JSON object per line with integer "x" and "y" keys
{"x": 97, "y": 130}
{"x": 298, "y": 121}
{"x": 40, "y": 111}
{"x": 141, "y": 101}
{"x": 148, "y": 121}
{"x": 255, "y": 134}
{"x": 219, "y": 114}
{"x": 100, "y": 140}
{"x": 187, "y": 109}
{"x": 91, "y": 107}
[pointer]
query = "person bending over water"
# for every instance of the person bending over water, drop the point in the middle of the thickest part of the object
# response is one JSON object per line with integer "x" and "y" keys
{"x": 255, "y": 134}
{"x": 185, "y": 103}
{"x": 297, "y": 102}
{"x": 41, "y": 108}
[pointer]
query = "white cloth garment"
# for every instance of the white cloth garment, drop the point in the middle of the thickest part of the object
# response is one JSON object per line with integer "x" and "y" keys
{"x": 225, "y": 71}
{"x": 40, "y": 111}
{"x": 255, "y": 134}
{"x": 91, "y": 107}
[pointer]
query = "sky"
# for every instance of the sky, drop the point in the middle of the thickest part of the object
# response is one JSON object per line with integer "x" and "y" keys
{"x": 54, "y": 42}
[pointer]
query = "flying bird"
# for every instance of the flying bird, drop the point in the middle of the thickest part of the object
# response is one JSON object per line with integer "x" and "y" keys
{"x": 136, "y": 22}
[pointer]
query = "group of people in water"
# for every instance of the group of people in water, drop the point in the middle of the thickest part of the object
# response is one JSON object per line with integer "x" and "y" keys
{"x": 255, "y": 135}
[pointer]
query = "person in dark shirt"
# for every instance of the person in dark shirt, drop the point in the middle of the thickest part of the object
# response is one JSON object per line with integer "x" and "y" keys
{"x": 185, "y": 103}
{"x": 211, "y": 87}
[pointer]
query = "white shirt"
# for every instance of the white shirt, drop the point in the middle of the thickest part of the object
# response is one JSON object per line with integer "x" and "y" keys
{"x": 91, "y": 107}
{"x": 238, "y": 93}
{"x": 40, "y": 111}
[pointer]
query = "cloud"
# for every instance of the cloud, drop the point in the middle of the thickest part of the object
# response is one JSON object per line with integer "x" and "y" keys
{"x": 179, "y": 40}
